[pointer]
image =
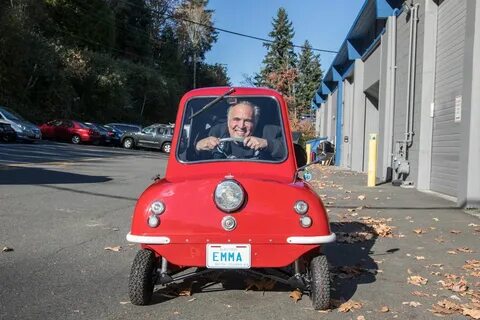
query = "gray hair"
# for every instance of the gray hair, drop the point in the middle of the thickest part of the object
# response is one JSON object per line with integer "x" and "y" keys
{"x": 256, "y": 110}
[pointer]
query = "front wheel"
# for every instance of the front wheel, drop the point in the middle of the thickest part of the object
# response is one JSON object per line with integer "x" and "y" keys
{"x": 76, "y": 139}
{"x": 128, "y": 143}
{"x": 141, "y": 281}
{"x": 320, "y": 283}
{"x": 166, "y": 147}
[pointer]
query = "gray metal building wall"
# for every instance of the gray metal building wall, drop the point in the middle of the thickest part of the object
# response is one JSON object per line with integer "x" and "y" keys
{"x": 401, "y": 85}
{"x": 448, "y": 86}
{"x": 333, "y": 117}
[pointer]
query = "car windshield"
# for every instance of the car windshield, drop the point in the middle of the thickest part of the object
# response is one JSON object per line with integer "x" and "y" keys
{"x": 10, "y": 114}
{"x": 234, "y": 129}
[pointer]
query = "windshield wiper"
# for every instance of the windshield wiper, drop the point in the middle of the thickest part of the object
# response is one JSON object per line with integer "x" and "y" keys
{"x": 211, "y": 103}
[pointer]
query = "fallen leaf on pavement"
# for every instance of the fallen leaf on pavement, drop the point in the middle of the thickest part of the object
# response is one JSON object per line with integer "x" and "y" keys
{"x": 115, "y": 249}
{"x": 473, "y": 225}
{"x": 465, "y": 249}
{"x": 435, "y": 219}
{"x": 296, "y": 295}
{"x": 417, "y": 280}
{"x": 451, "y": 252}
{"x": 7, "y": 249}
{"x": 420, "y": 294}
{"x": 439, "y": 240}
{"x": 420, "y": 257}
{"x": 124, "y": 302}
{"x": 361, "y": 197}
{"x": 419, "y": 231}
{"x": 455, "y": 231}
{"x": 474, "y": 313}
{"x": 412, "y": 303}
{"x": 445, "y": 307}
{"x": 349, "y": 305}
{"x": 384, "y": 309}
{"x": 360, "y": 318}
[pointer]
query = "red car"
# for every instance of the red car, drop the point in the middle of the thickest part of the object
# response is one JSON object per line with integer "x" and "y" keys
{"x": 231, "y": 199}
{"x": 69, "y": 130}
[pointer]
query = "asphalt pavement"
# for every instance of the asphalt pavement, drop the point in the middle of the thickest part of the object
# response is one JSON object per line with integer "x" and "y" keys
{"x": 65, "y": 211}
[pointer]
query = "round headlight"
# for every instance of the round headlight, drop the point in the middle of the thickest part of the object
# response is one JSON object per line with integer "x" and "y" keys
{"x": 306, "y": 221}
{"x": 301, "y": 207}
{"x": 229, "y": 195}
{"x": 157, "y": 207}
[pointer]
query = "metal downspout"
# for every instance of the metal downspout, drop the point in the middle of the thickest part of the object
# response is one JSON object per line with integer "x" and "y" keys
{"x": 412, "y": 83}
{"x": 409, "y": 87}
{"x": 393, "y": 75}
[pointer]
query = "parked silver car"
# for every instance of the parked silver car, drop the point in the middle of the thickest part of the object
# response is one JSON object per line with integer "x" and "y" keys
{"x": 156, "y": 136}
{"x": 24, "y": 129}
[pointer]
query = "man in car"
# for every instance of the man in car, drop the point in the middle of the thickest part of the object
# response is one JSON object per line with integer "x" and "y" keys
{"x": 241, "y": 121}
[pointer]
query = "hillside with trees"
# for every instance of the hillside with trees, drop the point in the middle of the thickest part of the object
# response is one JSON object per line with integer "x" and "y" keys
{"x": 104, "y": 60}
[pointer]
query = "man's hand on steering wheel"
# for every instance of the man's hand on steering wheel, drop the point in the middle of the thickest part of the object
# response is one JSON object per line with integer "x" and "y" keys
{"x": 255, "y": 143}
{"x": 208, "y": 143}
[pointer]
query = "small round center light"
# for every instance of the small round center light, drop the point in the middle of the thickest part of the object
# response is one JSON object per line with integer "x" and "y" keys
{"x": 305, "y": 221}
{"x": 229, "y": 223}
{"x": 300, "y": 207}
{"x": 153, "y": 221}
{"x": 157, "y": 207}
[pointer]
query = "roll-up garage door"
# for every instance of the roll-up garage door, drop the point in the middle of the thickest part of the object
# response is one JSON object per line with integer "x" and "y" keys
{"x": 448, "y": 92}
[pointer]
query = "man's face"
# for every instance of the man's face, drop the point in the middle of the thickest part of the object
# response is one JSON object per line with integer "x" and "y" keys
{"x": 240, "y": 121}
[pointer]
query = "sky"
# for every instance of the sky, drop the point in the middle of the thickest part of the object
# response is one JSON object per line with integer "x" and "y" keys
{"x": 324, "y": 23}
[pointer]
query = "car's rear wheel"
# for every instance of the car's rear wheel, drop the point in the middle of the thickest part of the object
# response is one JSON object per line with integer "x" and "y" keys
{"x": 76, "y": 139}
{"x": 166, "y": 147}
{"x": 128, "y": 143}
{"x": 320, "y": 283}
{"x": 142, "y": 280}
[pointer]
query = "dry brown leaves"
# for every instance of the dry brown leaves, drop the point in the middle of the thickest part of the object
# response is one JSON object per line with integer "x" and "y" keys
{"x": 380, "y": 226}
{"x": 454, "y": 283}
{"x": 263, "y": 284}
{"x": 7, "y": 249}
{"x": 417, "y": 280}
{"x": 353, "y": 237}
{"x": 455, "y": 231}
{"x": 346, "y": 306}
{"x": 347, "y": 272}
{"x": 384, "y": 309}
{"x": 446, "y": 307}
{"x": 465, "y": 250}
{"x": 296, "y": 295}
{"x": 473, "y": 266}
{"x": 420, "y": 294}
{"x": 412, "y": 303}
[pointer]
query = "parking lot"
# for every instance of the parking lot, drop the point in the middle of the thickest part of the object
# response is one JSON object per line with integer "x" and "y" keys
{"x": 65, "y": 210}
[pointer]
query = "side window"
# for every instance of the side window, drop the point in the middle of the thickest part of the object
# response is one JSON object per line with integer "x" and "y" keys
{"x": 148, "y": 130}
{"x": 161, "y": 131}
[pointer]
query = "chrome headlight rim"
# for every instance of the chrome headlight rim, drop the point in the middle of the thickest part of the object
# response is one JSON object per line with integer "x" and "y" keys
{"x": 235, "y": 184}
{"x": 300, "y": 207}
{"x": 157, "y": 207}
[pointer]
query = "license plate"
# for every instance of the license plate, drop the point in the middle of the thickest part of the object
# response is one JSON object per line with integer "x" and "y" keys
{"x": 228, "y": 256}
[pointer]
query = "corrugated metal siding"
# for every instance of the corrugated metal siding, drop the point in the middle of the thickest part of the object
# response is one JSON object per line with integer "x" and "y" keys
{"x": 448, "y": 85}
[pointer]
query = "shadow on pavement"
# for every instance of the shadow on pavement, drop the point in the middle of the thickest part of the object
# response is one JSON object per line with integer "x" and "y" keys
{"x": 36, "y": 176}
{"x": 350, "y": 258}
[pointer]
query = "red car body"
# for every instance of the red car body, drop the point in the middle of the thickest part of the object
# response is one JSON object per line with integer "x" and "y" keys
{"x": 69, "y": 130}
{"x": 266, "y": 222}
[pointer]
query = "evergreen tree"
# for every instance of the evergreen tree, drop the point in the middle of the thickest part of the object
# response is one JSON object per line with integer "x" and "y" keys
{"x": 280, "y": 58}
{"x": 309, "y": 76}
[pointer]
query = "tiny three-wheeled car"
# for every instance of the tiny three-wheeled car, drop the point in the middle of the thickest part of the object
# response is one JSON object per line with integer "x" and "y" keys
{"x": 231, "y": 199}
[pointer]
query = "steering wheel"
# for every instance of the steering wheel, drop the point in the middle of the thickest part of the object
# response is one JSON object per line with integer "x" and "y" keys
{"x": 220, "y": 149}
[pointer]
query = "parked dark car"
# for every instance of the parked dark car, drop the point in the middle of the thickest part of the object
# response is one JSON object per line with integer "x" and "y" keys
{"x": 108, "y": 136}
{"x": 7, "y": 134}
{"x": 70, "y": 130}
{"x": 157, "y": 136}
{"x": 124, "y": 127}
{"x": 24, "y": 129}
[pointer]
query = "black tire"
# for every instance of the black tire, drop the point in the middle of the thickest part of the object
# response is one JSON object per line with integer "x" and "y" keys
{"x": 166, "y": 147}
{"x": 141, "y": 281}
{"x": 320, "y": 283}
{"x": 76, "y": 139}
{"x": 128, "y": 143}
